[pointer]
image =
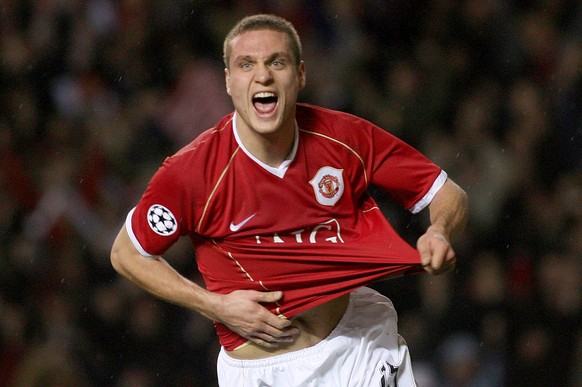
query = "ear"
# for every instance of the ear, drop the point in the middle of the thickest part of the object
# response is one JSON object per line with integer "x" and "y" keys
{"x": 302, "y": 75}
{"x": 227, "y": 80}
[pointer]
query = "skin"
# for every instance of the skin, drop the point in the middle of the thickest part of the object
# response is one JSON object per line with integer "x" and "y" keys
{"x": 261, "y": 61}
{"x": 448, "y": 216}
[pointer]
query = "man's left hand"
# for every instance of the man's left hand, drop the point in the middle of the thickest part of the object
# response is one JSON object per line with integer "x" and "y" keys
{"x": 436, "y": 253}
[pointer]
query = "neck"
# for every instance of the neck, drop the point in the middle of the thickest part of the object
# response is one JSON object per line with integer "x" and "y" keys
{"x": 270, "y": 148}
{"x": 273, "y": 151}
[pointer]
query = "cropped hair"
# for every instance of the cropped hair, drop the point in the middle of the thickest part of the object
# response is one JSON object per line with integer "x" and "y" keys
{"x": 264, "y": 22}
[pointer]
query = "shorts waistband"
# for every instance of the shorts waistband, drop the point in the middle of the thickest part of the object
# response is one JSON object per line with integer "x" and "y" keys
{"x": 290, "y": 356}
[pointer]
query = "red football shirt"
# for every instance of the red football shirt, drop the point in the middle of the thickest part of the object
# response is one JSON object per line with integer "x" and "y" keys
{"x": 307, "y": 228}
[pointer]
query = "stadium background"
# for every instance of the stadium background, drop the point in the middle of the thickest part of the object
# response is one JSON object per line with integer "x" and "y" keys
{"x": 95, "y": 94}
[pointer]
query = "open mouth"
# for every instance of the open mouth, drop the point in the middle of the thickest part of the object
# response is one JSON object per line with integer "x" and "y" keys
{"x": 265, "y": 102}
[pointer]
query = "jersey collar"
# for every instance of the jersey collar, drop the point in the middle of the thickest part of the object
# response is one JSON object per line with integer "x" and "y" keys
{"x": 277, "y": 171}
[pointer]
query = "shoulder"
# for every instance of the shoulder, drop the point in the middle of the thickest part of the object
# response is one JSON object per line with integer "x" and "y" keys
{"x": 212, "y": 147}
{"x": 311, "y": 114}
{"x": 213, "y": 141}
{"x": 331, "y": 122}
{"x": 336, "y": 125}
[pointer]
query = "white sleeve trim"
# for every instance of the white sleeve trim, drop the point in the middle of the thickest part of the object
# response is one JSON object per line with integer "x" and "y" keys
{"x": 425, "y": 201}
{"x": 132, "y": 236}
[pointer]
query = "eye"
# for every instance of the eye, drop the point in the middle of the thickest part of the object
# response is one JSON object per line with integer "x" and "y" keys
{"x": 277, "y": 64}
{"x": 246, "y": 65}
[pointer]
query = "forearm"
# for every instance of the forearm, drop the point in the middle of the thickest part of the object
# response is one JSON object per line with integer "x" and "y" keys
{"x": 448, "y": 210}
{"x": 157, "y": 277}
{"x": 241, "y": 310}
{"x": 448, "y": 216}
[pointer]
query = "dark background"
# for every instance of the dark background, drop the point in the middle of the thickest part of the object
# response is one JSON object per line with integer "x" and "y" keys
{"x": 95, "y": 94}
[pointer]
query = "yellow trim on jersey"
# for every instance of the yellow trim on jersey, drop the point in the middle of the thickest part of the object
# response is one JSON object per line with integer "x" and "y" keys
{"x": 346, "y": 146}
{"x": 215, "y": 188}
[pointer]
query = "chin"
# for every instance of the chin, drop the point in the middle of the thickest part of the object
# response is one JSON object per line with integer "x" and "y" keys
{"x": 265, "y": 130}
{"x": 267, "y": 126}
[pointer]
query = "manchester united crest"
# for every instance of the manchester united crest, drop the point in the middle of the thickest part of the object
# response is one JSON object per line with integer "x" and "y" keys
{"x": 328, "y": 185}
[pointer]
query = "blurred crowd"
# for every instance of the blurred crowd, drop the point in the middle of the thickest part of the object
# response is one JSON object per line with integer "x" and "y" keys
{"x": 95, "y": 94}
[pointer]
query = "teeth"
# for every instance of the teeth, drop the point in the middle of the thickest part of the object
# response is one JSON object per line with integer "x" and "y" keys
{"x": 264, "y": 94}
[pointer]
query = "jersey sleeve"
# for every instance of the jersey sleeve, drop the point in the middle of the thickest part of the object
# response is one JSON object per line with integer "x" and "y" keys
{"x": 408, "y": 176}
{"x": 158, "y": 219}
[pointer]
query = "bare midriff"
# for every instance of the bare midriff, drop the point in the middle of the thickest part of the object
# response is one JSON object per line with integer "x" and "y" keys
{"x": 314, "y": 325}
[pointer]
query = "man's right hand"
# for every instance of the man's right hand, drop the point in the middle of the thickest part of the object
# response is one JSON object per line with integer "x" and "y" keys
{"x": 241, "y": 311}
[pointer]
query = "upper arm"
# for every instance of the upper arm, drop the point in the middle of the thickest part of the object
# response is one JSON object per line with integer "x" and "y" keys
{"x": 163, "y": 213}
{"x": 402, "y": 171}
{"x": 123, "y": 251}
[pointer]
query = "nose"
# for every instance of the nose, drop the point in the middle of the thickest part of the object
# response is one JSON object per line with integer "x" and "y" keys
{"x": 263, "y": 74}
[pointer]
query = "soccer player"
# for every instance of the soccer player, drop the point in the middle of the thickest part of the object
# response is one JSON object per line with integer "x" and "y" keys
{"x": 274, "y": 199}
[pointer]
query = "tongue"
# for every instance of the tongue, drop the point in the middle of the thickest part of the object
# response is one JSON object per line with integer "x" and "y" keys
{"x": 265, "y": 107}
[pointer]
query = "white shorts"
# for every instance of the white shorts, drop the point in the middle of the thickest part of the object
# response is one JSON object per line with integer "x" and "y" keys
{"x": 363, "y": 350}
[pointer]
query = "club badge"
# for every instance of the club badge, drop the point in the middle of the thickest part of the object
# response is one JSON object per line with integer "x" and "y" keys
{"x": 328, "y": 185}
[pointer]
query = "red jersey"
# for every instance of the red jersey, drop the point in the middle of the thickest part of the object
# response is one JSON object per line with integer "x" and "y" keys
{"x": 308, "y": 228}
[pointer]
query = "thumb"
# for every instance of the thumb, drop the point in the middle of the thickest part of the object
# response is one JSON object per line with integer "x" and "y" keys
{"x": 425, "y": 252}
{"x": 269, "y": 296}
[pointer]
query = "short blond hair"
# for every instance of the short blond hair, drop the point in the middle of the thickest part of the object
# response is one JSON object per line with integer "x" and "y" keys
{"x": 264, "y": 22}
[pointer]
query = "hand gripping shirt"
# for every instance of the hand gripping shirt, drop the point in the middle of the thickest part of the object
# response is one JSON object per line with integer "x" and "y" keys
{"x": 308, "y": 228}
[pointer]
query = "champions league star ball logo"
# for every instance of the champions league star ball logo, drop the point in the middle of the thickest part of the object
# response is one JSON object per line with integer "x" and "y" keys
{"x": 161, "y": 220}
{"x": 328, "y": 185}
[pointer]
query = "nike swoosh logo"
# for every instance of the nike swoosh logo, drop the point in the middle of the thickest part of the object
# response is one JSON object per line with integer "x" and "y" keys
{"x": 236, "y": 227}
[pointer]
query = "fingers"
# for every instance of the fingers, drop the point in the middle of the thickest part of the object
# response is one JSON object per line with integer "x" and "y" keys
{"x": 426, "y": 247}
{"x": 277, "y": 330}
{"x": 244, "y": 314}
{"x": 274, "y": 322}
{"x": 437, "y": 255}
{"x": 272, "y": 338}
{"x": 269, "y": 342}
{"x": 446, "y": 267}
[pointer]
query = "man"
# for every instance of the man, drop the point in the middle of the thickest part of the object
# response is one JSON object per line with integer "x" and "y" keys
{"x": 274, "y": 201}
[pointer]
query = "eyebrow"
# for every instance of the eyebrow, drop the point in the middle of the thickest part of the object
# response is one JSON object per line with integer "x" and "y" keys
{"x": 270, "y": 58}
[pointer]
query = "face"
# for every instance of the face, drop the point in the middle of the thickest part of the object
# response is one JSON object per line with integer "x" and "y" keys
{"x": 263, "y": 81}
